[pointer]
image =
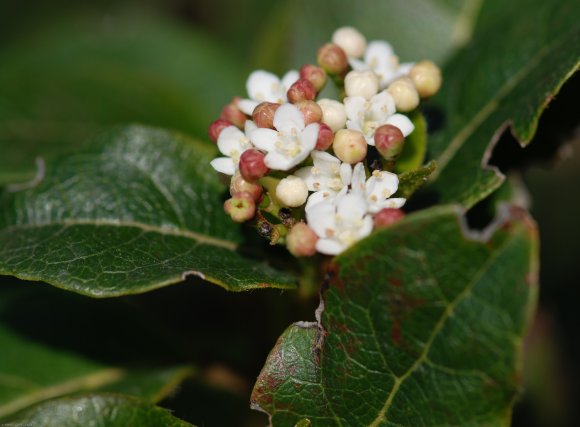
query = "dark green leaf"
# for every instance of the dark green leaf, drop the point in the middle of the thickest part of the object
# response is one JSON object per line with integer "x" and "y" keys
{"x": 138, "y": 209}
{"x": 419, "y": 325}
{"x": 102, "y": 409}
{"x": 65, "y": 84}
{"x": 412, "y": 180}
{"x": 505, "y": 78}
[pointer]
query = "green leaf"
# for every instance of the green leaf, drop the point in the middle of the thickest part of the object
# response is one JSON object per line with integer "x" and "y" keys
{"x": 139, "y": 209}
{"x": 412, "y": 180}
{"x": 71, "y": 80}
{"x": 419, "y": 325}
{"x": 505, "y": 78}
{"x": 103, "y": 409}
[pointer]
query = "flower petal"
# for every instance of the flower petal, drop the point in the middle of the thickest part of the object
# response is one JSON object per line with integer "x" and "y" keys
{"x": 358, "y": 179}
{"x": 402, "y": 122}
{"x": 249, "y": 126}
{"x": 355, "y": 107}
{"x": 351, "y": 207}
{"x": 224, "y": 165}
{"x": 289, "y": 79}
{"x": 320, "y": 196}
{"x": 264, "y": 139}
{"x": 288, "y": 117}
{"x": 395, "y": 203}
{"x": 382, "y": 106}
{"x": 346, "y": 173}
{"x": 321, "y": 218}
{"x": 277, "y": 161}
{"x": 247, "y": 106}
{"x": 261, "y": 85}
{"x": 230, "y": 140}
{"x": 329, "y": 246}
{"x": 308, "y": 138}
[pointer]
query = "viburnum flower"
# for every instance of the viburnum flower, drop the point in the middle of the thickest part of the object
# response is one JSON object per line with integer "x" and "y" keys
{"x": 365, "y": 116}
{"x": 377, "y": 190}
{"x": 380, "y": 58}
{"x": 263, "y": 86}
{"x": 326, "y": 177}
{"x": 340, "y": 222}
{"x": 290, "y": 143}
{"x": 232, "y": 142}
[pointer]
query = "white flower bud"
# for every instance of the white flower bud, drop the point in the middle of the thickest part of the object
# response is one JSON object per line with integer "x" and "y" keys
{"x": 349, "y": 146}
{"x": 404, "y": 93}
{"x": 292, "y": 191}
{"x": 361, "y": 83}
{"x": 427, "y": 78}
{"x": 333, "y": 113}
{"x": 351, "y": 41}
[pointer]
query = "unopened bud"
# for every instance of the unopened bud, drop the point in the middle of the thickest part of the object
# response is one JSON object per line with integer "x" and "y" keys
{"x": 361, "y": 83}
{"x": 401, "y": 121}
{"x": 426, "y": 77}
{"x": 350, "y": 146}
{"x": 314, "y": 74}
{"x": 325, "y": 137}
{"x": 216, "y": 128}
{"x": 233, "y": 114}
{"x": 252, "y": 166}
{"x": 404, "y": 93}
{"x": 351, "y": 41}
{"x": 239, "y": 185}
{"x": 263, "y": 114}
{"x": 292, "y": 191}
{"x": 301, "y": 240}
{"x": 241, "y": 207}
{"x": 389, "y": 141}
{"x": 310, "y": 110}
{"x": 301, "y": 90}
{"x": 387, "y": 216}
{"x": 332, "y": 59}
{"x": 333, "y": 113}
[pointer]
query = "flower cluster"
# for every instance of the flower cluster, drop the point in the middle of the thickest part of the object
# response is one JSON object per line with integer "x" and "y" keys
{"x": 316, "y": 173}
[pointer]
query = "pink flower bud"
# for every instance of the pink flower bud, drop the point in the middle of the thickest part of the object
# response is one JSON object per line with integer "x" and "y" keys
{"x": 252, "y": 166}
{"x": 216, "y": 128}
{"x": 301, "y": 240}
{"x": 314, "y": 74}
{"x": 350, "y": 146}
{"x": 310, "y": 110}
{"x": 389, "y": 141}
{"x": 239, "y": 185}
{"x": 332, "y": 59}
{"x": 241, "y": 207}
{"x": 325, "y": 137}
{"x": 263, "y": 114}
{"x": 233, "y": 114}
{"x": 387, "y": 216}
{"x": 301, "y": 90}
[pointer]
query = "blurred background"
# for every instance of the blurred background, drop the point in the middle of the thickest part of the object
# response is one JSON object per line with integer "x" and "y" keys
{"x": 68, "y": 69}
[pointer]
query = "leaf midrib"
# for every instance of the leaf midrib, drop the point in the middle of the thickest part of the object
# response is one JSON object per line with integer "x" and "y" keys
{"x": 200, "y": 238}
{"x": 436, "y": 330}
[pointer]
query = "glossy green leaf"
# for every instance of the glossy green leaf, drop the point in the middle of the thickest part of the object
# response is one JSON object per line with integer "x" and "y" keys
{"x": 419, "y": 325}
{"x": 71, "y": 80}
{"x": 102, "y": 409}
{"x": 506, "y": 77}
{"x": 138, "y": 209}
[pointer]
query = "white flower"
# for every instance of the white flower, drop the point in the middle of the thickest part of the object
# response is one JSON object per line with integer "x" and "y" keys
{"x": 326, "y": 178}
{"x": 339, "y": 223}
{"x": 365, "y": 116}
{"x": 377, "y": 190}
{"x": 361, "y": 83}
{"x": 380, "y": 58}
{"x": 290, "y": 143}
{"x": 263, "y": 86}
{"x": 232, "y": 142}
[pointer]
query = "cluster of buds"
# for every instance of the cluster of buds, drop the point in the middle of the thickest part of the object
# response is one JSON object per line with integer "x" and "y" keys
{"x": 317, "y": 174}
